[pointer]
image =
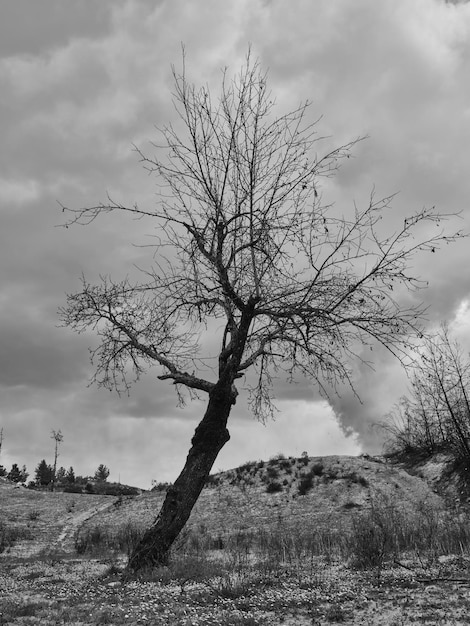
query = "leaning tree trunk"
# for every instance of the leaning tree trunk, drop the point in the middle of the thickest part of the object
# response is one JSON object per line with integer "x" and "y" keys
{"x": 209, "y": 438}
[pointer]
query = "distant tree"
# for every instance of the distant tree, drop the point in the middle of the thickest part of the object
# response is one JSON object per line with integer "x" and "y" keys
{"x": 60, "y": 475}
{"x": 250, "y": 256}
{"x": 102, "y": 473}
{"x": 24, "y": 474}
{"x": 58, "y": 438}
{"x": 435, "y": 414}
{"x": 15, "y": 474}
{"x": 3, "y": 471}
{"x": 44, "y": 473}
{"x": 70, "y": 476}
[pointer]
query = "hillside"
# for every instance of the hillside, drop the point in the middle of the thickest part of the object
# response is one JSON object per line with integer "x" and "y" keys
{"x": 291, "y": 541}
{"x": 42, "y": 520}
{"x": 305, "y": 492}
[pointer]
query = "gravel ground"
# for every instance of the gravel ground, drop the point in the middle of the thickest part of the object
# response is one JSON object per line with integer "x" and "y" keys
{"x": 80, "y": 592}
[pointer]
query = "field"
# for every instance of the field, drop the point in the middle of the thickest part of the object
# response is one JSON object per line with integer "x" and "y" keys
{"x": 336, "y": 540}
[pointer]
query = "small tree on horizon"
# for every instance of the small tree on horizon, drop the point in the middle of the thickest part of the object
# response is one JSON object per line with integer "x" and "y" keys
{"x": 249, "y": 255}
{"x": 17, "y": 475}
{"x": 70, "y": 476}
{"x": 102, "y": 473}
{"x": 44, "y": 473}
{"x": 60, "y": 475}
{"x": 24, "y": 474}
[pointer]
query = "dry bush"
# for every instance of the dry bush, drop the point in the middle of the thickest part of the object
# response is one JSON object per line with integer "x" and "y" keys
{"x": 102, "y": 540}
{"x": 9, "y": 535}
{"x": 388, "y": 531}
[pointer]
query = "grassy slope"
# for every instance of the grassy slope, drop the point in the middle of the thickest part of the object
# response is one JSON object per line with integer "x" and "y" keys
{"x": 284, "y": 587}
{"x": 42, "y": 517}
{"x": 235, "y": 500}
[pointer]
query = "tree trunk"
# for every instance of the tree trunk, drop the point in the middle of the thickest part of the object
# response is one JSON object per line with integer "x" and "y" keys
{"x": 209, "y": 438}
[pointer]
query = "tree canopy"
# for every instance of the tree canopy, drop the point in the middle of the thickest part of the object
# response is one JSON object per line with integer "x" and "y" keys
{"x": 245, "y": 239}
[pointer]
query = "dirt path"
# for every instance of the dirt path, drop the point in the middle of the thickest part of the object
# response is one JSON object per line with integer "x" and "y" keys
{"x": 64, "y": 542}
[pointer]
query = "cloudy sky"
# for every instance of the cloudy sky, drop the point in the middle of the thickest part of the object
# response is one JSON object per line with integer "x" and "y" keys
{"x": 81, "y": 82}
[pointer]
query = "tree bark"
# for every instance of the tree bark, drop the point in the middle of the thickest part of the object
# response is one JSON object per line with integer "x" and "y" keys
{"x": 209, "y": 438}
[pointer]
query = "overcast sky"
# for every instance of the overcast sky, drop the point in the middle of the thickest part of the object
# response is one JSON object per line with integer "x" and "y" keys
{"x": 81, "y": 82}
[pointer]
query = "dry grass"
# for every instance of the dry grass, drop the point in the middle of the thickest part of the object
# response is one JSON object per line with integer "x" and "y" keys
{"x": 356, "y": 549}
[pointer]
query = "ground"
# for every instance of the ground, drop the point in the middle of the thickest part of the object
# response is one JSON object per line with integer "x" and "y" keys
{"x": 252, "y": 555}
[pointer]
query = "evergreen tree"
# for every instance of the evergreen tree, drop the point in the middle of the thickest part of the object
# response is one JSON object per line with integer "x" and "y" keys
{"x": 15, "y": 474}
{"x": 44, "y": 473}
{"x": 70, "y": 476}
{"x": 60, "y": 476}
{"x": 102, "y": 473}
{"x": 23, "y": 474}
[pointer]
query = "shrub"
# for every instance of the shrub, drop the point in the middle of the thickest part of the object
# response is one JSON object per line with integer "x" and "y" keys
{"x": 211, "y": 481}
{"x": 73, "y": 489}
{"x": 336, "y": 614}
{"x": 34, "y": 514}
{"x": 332, "y": 473}
{"x": 114, "y": 489}
{"x": 9, "y": 535}
{"x": 273, "y": 487}
{"x": 99, "y": 540}
{"x": 247, "y": 467}
{"x": 91, "y": 540}
{"x": 129, "y": 491}
{"x": 371, "y": 541}
{"x": 351, "y": 505}
{"x": 272, "y": 472}
{"x": 383, "y": 532}
{"x": 127, "y": 538}
{"x": 306, "y": 482}
{"x": 285, "y": 464}
{"x": 29, "y": 610}
{"x": 354, "y": 477}
{"x": 317, "y": 469}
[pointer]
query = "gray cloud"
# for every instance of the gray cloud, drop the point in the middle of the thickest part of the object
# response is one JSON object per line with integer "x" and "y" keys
{"x": 32, "y": 28}
{"x": 81, "y": 85}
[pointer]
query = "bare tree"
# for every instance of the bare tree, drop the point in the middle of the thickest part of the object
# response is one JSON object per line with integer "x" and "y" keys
{"x": 58, "y": 438}
{"x": 436, "y": 413}
{"x": 247, "y": 252}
